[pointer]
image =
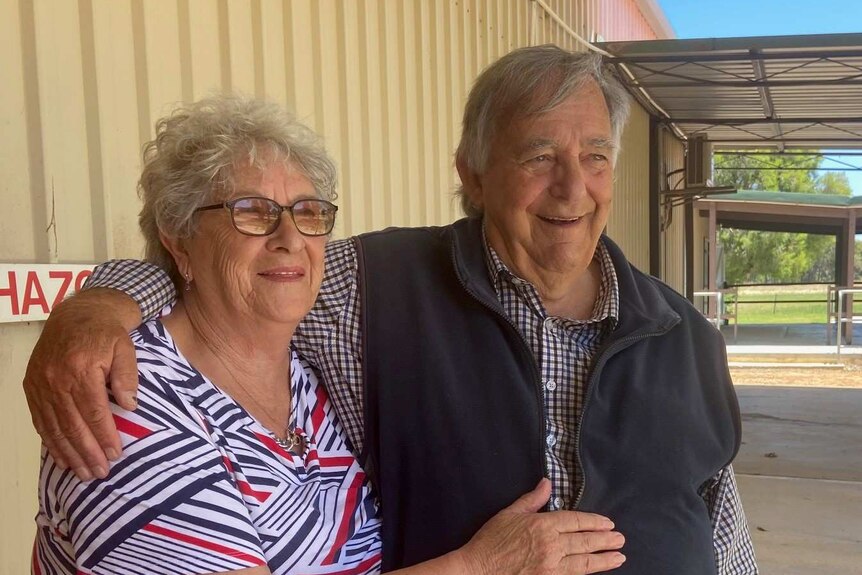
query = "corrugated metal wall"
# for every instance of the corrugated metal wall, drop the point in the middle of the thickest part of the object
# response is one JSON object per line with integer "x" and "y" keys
{"x": 383, "y": 80}
{"x": 628, "y": 225}
{"x": 673, "y": 239}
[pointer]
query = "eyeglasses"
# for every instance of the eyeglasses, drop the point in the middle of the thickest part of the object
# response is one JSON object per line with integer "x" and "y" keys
{"x": 255, "y": 216}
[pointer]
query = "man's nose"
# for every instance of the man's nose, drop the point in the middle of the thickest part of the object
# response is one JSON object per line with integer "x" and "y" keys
{"x": 569, "y": 181}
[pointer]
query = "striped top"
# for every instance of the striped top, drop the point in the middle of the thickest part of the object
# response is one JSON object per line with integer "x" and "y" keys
{"x": 202, "y": 487}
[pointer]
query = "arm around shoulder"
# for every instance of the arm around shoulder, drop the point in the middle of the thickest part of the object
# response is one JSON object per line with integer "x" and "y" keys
{"x": 145, "y": 283}
{"x": 84, "y": 346}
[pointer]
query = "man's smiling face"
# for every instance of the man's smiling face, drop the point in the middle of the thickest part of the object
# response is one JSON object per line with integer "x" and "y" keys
{"x": 547, "y": 189}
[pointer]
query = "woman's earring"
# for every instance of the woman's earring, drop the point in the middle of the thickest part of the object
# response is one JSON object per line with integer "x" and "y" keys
{"x": 188, "y": 281}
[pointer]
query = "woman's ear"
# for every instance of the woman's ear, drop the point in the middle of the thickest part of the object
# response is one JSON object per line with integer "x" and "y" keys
{"x": 177, "y": 248}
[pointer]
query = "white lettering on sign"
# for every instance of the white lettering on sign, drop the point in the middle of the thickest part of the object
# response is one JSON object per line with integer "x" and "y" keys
{"x": 28, "y": 292}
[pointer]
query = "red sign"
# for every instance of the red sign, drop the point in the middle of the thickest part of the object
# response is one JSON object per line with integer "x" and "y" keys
{"x": 28, "y": 292}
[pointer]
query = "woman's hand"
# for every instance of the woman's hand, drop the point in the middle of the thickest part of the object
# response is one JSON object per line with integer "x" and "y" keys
{"x": 519, "y": 540}
{"x": 84, "y": 346}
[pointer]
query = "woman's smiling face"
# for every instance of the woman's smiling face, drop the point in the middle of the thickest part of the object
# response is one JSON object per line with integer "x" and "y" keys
{"x": 271, "y": 278}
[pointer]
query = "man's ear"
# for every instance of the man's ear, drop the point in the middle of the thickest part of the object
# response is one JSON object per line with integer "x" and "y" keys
{"x": 177, "y": 249}
{"x": 470, "y": 181}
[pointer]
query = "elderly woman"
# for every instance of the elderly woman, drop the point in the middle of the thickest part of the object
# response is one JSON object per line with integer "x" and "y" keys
{"x": 234, "y": 460}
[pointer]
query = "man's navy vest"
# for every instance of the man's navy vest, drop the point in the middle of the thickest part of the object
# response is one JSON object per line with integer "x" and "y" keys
{"x": 454, "y": 418}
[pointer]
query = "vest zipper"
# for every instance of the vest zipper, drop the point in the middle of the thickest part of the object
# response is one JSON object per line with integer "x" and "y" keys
{"x": 536, "y": 377}
{"x": 601, "y": 359}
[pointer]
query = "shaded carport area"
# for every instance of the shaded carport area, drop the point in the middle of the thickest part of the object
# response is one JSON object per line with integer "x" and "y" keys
{"x": 799, "y": 468}
{"x": 774, "y": 94}
{"x": 836, "y": 216}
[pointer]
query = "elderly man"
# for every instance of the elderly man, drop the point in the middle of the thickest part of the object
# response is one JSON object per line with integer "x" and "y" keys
{"x": 468, "y": 361}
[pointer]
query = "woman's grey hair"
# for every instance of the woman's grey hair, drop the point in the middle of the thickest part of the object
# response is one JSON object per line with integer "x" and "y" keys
{"x": 527, "y": 82}
{"x": 194, "y": 158}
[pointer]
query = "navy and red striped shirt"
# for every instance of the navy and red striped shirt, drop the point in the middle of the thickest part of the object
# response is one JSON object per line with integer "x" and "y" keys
{"x": 202, "y": 487}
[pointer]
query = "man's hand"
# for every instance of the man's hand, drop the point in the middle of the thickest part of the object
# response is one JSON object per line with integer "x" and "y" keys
{"x": 83, "y": 347}
{"x": 520, "y": 540}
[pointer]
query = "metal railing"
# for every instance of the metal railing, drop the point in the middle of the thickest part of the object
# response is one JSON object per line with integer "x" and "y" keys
{"x": 840, "y": 320}
{"x": 717, "y": 315}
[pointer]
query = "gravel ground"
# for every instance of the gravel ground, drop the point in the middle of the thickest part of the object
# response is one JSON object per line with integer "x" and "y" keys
{"x": 847, "y": 377}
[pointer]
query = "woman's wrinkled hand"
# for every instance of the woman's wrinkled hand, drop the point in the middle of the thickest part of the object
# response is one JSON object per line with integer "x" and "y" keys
{"x": 519, "y": 540}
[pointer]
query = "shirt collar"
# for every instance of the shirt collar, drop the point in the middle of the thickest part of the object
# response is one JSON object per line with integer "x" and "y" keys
{"x": 607, "y": 306}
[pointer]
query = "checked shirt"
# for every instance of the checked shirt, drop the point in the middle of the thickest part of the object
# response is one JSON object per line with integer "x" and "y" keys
{"x": 329, "y": 337}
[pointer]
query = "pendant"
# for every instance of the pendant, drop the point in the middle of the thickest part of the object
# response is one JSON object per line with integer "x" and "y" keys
{"x": 291, "y": 441}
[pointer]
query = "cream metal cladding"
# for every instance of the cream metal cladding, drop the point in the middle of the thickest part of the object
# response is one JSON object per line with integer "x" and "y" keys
{"x": 383, "y": 80}
{"x": 672, "y": 158}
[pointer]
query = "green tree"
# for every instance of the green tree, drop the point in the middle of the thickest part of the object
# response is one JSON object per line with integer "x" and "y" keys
{"x": 757, "y": 172}
{"x": 776, "y": 257}
{"x": 835, "y": 183}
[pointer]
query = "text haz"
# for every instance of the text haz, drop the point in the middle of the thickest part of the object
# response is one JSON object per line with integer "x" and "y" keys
{"x": 28, "y": 292}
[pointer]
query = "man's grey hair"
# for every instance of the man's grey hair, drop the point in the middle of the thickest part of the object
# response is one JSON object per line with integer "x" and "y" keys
{"x": 529, "y": 82}
{"x": 195, "y": 156}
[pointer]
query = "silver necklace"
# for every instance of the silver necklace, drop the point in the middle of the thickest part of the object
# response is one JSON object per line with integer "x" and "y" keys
{"x": 292, "y": 440}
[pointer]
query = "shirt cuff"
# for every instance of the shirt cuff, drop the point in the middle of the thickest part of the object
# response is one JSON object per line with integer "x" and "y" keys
{"x": 146, "y": 283}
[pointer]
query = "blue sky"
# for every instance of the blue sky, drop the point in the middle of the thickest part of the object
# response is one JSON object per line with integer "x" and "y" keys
{"x": 725, "y": 18}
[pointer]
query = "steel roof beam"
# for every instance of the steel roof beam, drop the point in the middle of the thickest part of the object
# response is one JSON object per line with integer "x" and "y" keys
{"x": 767, "y": 140}
{"x": 765, "y": 95}
{"x": 785, "y": 169}
{"x": 792, "y": 153}
{"x": 758, "y": 84}
{"x": 785, "y": 120}
{"x": 737, "y": 56}
{"x": 694, "y": 82}
{"x": 839, "y": 41}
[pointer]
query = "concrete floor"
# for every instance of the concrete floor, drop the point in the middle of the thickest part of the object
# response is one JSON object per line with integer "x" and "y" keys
{"x": 800, "y": 466}
{"x": 800, "y": 477}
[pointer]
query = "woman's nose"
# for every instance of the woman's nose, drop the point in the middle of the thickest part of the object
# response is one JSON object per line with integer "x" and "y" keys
{"x": 286, "y": 236}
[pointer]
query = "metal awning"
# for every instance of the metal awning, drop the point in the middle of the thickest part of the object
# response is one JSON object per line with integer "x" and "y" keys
{"x": 753, "y": 92}
{"x": 784, "y": 211}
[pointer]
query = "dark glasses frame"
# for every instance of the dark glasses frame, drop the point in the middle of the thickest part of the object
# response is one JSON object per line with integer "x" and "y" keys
{"x": 327, "y": 208}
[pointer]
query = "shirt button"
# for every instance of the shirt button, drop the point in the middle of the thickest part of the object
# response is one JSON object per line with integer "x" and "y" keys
{"x": 550, "y": 385}
{"x": 557, "y": 503}
{"x": 551, "y": 440}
